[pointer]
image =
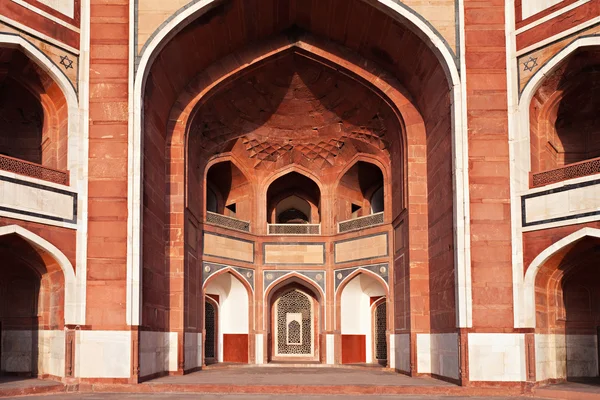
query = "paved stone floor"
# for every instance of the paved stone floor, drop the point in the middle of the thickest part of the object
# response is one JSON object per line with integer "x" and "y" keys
{"x": 9, "y": 383}
{"x": 173, "y": 396}
{"x": 297, "y": 376}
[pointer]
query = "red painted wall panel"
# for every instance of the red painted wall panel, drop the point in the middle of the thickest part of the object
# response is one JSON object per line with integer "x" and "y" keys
{"x": 354, "y": 349}
{"x": 235, "y": 348}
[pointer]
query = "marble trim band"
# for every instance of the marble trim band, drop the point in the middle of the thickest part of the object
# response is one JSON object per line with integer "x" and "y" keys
{"x": 140, "y": 67}
{"x": 41, "y": 187}
{"x": 565, "y": 188}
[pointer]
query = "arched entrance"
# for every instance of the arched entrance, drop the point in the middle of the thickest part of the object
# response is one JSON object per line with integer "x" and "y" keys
{"x": 32, "y": 308}
{"x": 363, "y": 320}
{"x": 227, "y": 317}
{"x": 362, "y": 102}
{"x": 567, "y": 310}
{"x": 211, "y": 327}
{"x": 380, "y": 354}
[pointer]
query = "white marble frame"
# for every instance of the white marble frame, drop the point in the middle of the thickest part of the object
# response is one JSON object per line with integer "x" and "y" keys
{"x": 77, "y": 159}
{"x": 520, "y": 166}
{"x": 71, "y": 304}
{"x": 401, "y": 13}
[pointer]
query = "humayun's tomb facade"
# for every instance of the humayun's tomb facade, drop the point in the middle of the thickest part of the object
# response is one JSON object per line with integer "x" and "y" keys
{"x": 403, "y": 183}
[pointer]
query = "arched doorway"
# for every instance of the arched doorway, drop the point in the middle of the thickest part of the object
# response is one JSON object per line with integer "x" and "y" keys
{"x": 229, "y": 321}
{"x": 380, "y": 354}
{"x": 211, "y": 327}
{"x": 32, "y": 310}
{"x": 567, "y": 309}
{"x": 294, "y": 329}
{"x": 363, "y": 320}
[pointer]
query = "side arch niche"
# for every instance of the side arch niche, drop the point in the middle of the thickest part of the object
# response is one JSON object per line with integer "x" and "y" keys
{"x": 231, "y": 301}
{"x": 363, "y": 320}
{"x": 566, "y": 305}
{"x": 36, "y": 301}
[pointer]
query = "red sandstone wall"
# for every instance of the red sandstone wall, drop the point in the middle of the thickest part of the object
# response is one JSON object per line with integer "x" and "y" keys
{"x": 489, "y": 164}
{"x": 107, "y": 229}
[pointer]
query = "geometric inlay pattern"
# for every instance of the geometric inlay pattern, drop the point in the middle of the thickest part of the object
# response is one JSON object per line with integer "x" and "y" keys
{"x": 321, "y": 154}
{"x": 209, "y": 269}
{"x": 317, "y": 277}
{"x": 210, "y": 324}
{"x": 380, "y": 328}
{"x": 294, "y": 324}
{"x": 381, "y": 270}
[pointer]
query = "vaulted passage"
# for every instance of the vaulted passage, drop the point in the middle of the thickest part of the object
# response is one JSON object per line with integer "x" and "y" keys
{"x": 304, "y": 146}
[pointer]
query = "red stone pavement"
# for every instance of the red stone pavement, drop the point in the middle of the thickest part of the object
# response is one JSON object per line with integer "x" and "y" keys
{"x": 301, "y": 383}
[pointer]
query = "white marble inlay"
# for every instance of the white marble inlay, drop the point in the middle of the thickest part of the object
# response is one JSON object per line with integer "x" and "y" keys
{"x": 155, "y": 352}
{"x": 193, "y": 351}
{"x": 66, "y": 7}
{"x": 330, "y": 347}
{"x": 103, "y": 354}
{"x": 497, "y": 357}
{"x": 403, "y": 352}
{"x": 259, "y": 351}
{"x": 27, "y": 198}
{"x": 550, "y": 357}
{"x": 532, "y": 7}
{"x": 51, "y": 357}
{"x": 563, "y": 204}
{"x": 424, "y": 353}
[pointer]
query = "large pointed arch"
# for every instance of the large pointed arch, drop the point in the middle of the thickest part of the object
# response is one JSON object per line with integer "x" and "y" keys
{"x": 407, "y": 19}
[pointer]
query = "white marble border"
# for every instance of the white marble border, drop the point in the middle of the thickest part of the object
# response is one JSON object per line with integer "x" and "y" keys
{"x": 549, "y": 16}
{"x": 520, "y": 158}
{"x": 51, "y": 17}
{"x": 77, "y": 161}
{"x": 559, "y": 36}
{"x": 459, "y": 136}
{"x": 38, "y": 34}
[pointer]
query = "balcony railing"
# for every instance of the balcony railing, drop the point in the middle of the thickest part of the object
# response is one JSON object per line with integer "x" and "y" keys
{"x": 294, "y": 229}
{"x": 360, "y": 223}
{"x": 33, "y": 170}
{"x": 571, "y": 171}
{"x": 227, "y": 222}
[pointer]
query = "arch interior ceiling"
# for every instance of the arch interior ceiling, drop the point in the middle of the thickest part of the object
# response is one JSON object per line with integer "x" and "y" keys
{"x": 293, "y": 110}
